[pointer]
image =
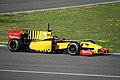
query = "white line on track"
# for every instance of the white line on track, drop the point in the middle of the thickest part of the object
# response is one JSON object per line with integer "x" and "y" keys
{"x": 113, "y": 53}
{"x": 58, "y": 8}
{"x": 59, "y": 73}
{"x": 3, "y": 45}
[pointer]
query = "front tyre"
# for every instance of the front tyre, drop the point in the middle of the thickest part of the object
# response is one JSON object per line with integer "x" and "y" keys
{"x": 73, "y": 48}
{"x": 15, "y": 45}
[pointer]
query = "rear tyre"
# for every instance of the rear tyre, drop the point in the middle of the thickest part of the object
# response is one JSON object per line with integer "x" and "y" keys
{"x": 73, "y": 48}
{"x": 15, "y": 45}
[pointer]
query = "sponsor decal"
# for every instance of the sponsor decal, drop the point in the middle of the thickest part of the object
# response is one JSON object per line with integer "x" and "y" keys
{"x": 44, "y": 35}
{"x": 17, "y": 37}
{"x": 86, "y": 52}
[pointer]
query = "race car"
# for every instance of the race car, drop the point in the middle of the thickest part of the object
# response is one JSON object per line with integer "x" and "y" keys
{"x": 43, "y": 41}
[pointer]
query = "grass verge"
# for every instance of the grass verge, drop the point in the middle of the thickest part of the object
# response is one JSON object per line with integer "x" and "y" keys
{"x": 97, "y": 22}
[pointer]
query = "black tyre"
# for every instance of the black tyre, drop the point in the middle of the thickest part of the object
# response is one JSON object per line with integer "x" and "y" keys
{"x": 73, "y": 48}
{"x": 91, "y": 41}
{"x": 15, "y": 45}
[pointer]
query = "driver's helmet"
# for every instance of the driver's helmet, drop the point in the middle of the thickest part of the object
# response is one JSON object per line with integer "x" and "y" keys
{"x": 55, "y": 38}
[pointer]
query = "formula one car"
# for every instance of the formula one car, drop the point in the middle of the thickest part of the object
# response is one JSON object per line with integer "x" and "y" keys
{"x": 43, "y": 41}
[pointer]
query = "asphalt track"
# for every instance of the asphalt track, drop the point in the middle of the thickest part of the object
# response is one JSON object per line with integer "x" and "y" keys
{"x": 43, "y": 66}
{"x": 9, "y": 6}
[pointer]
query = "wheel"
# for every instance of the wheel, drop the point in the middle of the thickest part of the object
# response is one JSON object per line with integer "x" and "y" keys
{"x": 73, "y": 48}
{"x": 15, "y": 45}
{"x": 90, "y": 41}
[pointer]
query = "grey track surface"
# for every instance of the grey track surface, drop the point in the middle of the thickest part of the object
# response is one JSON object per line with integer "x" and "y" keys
{"x": 26, "y": 5}
{"x": 64, "y": 63}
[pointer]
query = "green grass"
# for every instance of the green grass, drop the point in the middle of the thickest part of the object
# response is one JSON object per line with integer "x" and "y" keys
{"x": 97, "y": 22}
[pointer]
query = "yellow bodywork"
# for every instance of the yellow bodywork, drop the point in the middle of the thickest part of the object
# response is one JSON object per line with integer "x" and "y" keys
{"x": 44, "y": 46}
{"x": 62, "y": 45}
{"x": 92, "y": 46}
